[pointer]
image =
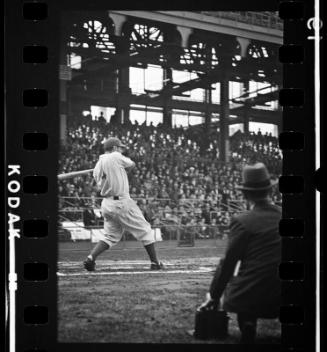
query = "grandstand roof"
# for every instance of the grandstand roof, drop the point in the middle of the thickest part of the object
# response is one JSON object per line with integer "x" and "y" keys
{"x": 239, "y": 46}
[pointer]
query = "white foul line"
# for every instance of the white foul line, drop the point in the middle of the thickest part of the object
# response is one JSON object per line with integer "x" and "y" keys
{"x": 108, "y": 273}
{"x": 115, "y": 264}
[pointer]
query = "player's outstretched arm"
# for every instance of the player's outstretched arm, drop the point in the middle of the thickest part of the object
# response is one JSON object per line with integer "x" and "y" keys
{"x": 98, "y": 174}
{"x": 130, "y": 167}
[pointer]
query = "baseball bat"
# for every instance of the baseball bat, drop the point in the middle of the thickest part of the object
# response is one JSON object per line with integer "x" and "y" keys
{"x": 73, "y": 174}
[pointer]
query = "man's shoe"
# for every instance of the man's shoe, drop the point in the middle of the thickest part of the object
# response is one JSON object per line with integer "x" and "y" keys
{"x": 156, "y": 266}
{"x": 248, "y": 333}
{"x": 89, "y": 264}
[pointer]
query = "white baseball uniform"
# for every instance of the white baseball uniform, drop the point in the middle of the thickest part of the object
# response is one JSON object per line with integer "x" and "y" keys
{"x": 120, "y": 214}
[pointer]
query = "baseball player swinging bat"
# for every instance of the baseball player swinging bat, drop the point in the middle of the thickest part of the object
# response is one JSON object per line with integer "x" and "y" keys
{"x": 119, "y": 210}
{"x": 73, "y": 174}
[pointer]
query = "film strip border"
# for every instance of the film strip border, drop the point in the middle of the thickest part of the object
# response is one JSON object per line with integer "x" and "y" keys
{"x": 297, "y": 183}
{"x": 31, "y": 157}
{"x": 32, "y": 148}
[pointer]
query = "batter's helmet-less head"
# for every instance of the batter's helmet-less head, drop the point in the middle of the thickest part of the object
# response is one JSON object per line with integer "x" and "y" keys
{"x": 113, "y": 142}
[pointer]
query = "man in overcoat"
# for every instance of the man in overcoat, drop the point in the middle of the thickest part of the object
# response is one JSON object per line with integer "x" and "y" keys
{"x": 255, "y": 244}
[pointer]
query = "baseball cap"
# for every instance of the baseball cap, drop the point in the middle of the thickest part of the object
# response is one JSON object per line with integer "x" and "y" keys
{"x": 113, "y": 142}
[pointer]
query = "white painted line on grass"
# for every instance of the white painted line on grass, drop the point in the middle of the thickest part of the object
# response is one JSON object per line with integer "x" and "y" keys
{"x": 131, "y": 249}
{"x": 106, "y": 273}
{"x": 116, "y": 263}
{"x": 110, "y": 263}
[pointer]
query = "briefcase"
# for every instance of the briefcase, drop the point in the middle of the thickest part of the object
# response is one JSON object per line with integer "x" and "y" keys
{"x": 211, "y": 324}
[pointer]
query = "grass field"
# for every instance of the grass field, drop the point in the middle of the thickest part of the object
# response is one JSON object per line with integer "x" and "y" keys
{"x": 125, "y": 302}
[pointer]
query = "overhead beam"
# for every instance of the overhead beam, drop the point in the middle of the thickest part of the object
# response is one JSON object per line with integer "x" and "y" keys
{"x": 208, "y": 23}
{"x": 206, "y": 79}
{"x": 260, "y": 99}
{"x": 117, "y": 61}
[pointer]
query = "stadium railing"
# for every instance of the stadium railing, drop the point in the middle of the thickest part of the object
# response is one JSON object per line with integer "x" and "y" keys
{"x": 167, "y": 226}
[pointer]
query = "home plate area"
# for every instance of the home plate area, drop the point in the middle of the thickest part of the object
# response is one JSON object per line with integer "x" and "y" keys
{"x": 138, "y": 267}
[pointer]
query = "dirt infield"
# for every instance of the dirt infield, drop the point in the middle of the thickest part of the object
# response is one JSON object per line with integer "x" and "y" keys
{"x": 125, "y": 302}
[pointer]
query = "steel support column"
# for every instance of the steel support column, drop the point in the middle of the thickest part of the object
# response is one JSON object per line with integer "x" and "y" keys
{"x": 122, "y": 88}
{"x": 167, "y": 111}
{"x": 223, "y": 120}
{"x": 246, "y": 117}
{"x": 207, "y": 118}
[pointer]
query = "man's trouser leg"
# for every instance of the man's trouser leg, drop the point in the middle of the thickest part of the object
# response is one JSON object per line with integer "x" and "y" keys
{"x": 248, "y": 327}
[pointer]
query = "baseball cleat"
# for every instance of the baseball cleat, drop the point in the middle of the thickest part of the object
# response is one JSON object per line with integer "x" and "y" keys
{"x": 156, "y": 266}
{"x": 89, "y": 264}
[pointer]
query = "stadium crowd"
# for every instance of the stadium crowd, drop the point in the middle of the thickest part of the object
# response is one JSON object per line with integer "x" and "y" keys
{"x": 176, "y": 180}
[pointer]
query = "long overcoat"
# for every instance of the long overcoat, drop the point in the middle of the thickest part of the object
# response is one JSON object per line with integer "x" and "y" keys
{"x": 255, "y": 242}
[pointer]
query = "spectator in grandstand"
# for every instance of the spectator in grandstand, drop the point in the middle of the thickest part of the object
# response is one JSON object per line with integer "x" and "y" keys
{"x": 89, "y": 218}
{"x": 202, "y": 228}
{"x": 206, "y": 213}
{"x": 173, "y": 224}
{"x": 101, "y": 118}
{"x": 213, "y": 230}
{"x": 190, "y": 229}
{"x": 255, "y": 241}
{"x": 146, "y": 211}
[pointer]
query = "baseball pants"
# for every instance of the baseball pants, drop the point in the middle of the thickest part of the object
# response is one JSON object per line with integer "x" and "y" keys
{"x": 124, "y": 215}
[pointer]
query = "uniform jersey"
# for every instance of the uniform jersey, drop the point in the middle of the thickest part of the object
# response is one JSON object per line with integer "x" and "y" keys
{"x": 110, "y": 174}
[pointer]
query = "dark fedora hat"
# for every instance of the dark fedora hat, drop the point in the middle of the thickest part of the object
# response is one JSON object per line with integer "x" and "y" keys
{"x": 256, "y": 178}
